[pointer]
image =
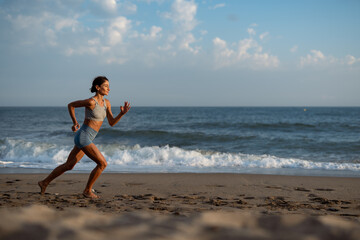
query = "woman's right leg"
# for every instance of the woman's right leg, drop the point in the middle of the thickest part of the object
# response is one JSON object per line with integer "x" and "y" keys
{"x": 94, "y": 154}
{"x": 74, "y": 157}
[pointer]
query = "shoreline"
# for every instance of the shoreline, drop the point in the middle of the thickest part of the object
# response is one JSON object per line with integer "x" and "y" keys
{"x": 181, "y": 206}
{"x": 251, "y": 171}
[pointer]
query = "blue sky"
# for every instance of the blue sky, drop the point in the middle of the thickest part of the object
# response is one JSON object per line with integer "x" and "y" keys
{"x": 181, "y": 52}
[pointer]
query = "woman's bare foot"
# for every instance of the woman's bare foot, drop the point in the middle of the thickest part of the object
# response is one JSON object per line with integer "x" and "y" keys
{"x": 42, "y": 186}
{"x": 90, "y": 195}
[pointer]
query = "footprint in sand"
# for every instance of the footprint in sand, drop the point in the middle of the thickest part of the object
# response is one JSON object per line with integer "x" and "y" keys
{"x": 301, "y": 189}
{"x": 218, "y": 201}
{"x": 248, "y": 198}
{"x": 332, "y": 209}
{"x": 216, "y": 185}
{"x": 12, "y": 181}
{"x": 141, "y": 197}
{"x": 156, "y": 208}
{"x": 274, "y": 187}
{"x": 325, "y": 189}
{"x": 241, "y": 202}
{"x": 313, "y": 195}
{"x": 325, "y": 200}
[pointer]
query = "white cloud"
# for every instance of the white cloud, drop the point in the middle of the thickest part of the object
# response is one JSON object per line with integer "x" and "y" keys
{"x": 244, "y": 46}
{"x": 183, "y": 16}
{"x": 109, "y": 45}
{"x": 109, "y": 6}
{"x": 186, "y": 41}
{"x": 247, "y": 54}
{"x": 219, "y": 43}
{"x": 317, "y": 55}
{"x": 350, "y": 60}
{"x": 129, "y": 7}
{"x": 43, "y": 28}
{"x": 168, "y": 46}
{"x": 151, "y": 1}
{"x": 117, "y": 30}
{"x": 223, "y": 55}
{"x": 94, "y": 42}
{"x": 263, "y": 35}
{"x": 112, "y": 8}
{"x": 220, "y": 5}
{"x": 317, "y": 58}
{"x": 155, "y": 32}
{"x": 112, "y": 37}
{"x": 63, "y": 23}
{"x": 294, "y": 49}
{"x": 82, "y": 50}
{"x": 265, "y": 60}
{"x": 21, "y": 22}
{"x": 251, "y": 31}
{"x": 93, "y": 47}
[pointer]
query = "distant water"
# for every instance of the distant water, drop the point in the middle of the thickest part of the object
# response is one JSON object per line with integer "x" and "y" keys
{"x": 284, "y": 140}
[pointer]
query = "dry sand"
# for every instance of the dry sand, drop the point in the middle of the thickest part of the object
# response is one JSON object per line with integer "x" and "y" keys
{"x": 181, "y": 206}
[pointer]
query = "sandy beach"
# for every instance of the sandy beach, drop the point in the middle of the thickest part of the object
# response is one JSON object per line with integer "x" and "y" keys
{"x": 181, "y": 206}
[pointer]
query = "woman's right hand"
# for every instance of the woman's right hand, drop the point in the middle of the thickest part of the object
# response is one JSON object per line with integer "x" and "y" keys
{"x": 75, "y": 127}
{"x": 124, "y": 109}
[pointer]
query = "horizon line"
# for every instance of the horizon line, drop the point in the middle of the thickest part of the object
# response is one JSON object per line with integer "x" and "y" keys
{"x": 203, "y": 106}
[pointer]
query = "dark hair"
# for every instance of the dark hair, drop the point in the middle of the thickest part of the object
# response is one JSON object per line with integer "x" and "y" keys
{"x": 97, "y": 82}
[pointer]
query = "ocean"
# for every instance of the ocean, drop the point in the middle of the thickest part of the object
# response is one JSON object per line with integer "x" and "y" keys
{"x": 314, "y": 141}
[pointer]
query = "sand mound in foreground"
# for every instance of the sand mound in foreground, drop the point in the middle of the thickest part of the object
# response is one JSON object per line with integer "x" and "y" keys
{"x": 40, "y": 222}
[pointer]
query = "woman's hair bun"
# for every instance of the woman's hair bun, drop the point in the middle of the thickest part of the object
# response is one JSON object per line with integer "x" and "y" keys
{"x": 97, "y": 82}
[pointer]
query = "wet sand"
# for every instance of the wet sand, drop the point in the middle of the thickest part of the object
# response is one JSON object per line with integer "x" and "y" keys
{"x": 183, "y": 206}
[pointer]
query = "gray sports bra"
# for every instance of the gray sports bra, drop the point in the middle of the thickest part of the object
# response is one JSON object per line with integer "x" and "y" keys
{"x": 97, "y": 114}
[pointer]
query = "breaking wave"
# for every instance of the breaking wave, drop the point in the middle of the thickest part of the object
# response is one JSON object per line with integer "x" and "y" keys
{"x": 136, "y": 158}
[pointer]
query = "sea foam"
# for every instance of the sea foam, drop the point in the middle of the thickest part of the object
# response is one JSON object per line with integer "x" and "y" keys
{"x": 121, "y": 158}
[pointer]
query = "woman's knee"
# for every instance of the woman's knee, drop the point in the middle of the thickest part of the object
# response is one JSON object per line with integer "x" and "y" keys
{"x": 68, "y": 166}
{"x": 102, "y": 165}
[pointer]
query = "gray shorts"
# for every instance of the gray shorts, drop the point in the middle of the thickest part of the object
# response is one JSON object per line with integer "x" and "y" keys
{"x": 84, "y": 136}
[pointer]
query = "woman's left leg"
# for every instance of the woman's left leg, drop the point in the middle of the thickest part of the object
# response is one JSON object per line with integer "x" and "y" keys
{"x": 74, "y": 157}
{"x": 94, "y": 154}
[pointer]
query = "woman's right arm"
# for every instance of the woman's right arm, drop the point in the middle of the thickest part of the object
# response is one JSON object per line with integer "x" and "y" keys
{"x": 77, "y": 104}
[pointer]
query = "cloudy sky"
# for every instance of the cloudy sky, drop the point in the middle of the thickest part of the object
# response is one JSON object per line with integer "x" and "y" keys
{"x": 181, "y": 52}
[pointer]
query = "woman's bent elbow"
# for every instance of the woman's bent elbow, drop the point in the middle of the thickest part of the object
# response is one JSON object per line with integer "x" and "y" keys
{"x": 112, "y": 123}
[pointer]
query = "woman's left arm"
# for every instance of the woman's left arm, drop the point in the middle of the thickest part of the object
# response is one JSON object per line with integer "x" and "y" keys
{"x": 123, "y": 110}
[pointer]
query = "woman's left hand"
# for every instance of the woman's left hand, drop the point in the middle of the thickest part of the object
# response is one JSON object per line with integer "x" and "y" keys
{"x": 124, "y": 109}
{"x": 75, "y": 127}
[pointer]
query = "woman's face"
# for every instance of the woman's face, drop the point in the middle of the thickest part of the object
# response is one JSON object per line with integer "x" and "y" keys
{"x": 104, "y": 88}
